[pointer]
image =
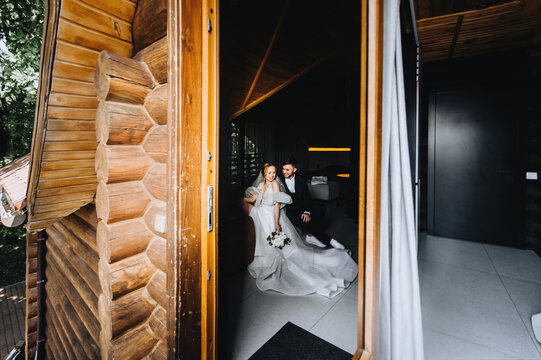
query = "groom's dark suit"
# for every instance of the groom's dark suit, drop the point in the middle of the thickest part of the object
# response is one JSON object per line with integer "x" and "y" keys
{"x": 302, "y": 203}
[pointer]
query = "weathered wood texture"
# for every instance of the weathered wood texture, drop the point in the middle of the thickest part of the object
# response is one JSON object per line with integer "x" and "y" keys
{"x": 121, "y": 79}
{"x": 121, "y": 201}
{"x": 76, "y": 31}
{"x": 155, "y": 56}
{"x": 149, "y": 23}
{"x": 120, "y": 240}
{"x": 104, "y": 290}
{"x": 130, "y": 197}
{"x": 156, "y": 104}
{"x": 73, "y": 287}
{"x": 121, "y": 124}
{"x": 118, "y": 163}
{"x": 189, "y": 123}
{"x": 156, "y": 143}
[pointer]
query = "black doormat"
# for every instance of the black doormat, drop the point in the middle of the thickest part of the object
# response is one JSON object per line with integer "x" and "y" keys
{"x": 292, "y": 342}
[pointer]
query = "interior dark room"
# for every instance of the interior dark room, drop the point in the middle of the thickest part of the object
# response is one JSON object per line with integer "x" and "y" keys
{"x": 289, "y": 88}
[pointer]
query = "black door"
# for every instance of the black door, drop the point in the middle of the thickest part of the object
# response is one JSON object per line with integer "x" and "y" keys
{"x": 471, "y": 174}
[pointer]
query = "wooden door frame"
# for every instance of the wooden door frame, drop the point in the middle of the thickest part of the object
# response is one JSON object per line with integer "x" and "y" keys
{"x": 193, "y": 37}
{"x": 370, "y": 176}
{"x": 192, "y": 167}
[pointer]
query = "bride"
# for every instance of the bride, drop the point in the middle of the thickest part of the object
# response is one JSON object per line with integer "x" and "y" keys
{"x": 297, "y": 268}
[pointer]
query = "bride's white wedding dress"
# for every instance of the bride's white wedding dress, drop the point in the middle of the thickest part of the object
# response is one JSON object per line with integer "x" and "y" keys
{"x": 299, "y": 268}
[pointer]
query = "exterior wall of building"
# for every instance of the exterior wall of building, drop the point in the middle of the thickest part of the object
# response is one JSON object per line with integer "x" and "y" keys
{"x": 73, "y": 287}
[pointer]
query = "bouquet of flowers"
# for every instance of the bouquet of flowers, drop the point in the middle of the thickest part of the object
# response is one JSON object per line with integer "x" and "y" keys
{"x": 278, "y": 239}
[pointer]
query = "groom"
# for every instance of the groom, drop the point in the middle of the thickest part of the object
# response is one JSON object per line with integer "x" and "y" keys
{"x": 299, "y": 211}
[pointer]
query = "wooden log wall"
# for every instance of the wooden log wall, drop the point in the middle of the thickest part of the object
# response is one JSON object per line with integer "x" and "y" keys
{"x": 73, "y": 287}
{"x": 64, "y": 179}
{"x": 131, "y": 158}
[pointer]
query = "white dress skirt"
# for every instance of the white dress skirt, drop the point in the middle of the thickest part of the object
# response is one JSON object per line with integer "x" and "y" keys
{"x": 299, "y": 268}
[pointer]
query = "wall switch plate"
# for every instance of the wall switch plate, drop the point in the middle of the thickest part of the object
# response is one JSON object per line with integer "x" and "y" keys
{"x": 531, "y": 175}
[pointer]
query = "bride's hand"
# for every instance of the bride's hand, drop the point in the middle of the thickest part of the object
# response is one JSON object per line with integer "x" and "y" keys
{"x": 278, "y": 228}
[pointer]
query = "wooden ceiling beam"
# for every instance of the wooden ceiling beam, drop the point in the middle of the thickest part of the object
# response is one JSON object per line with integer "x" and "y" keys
{"x": 455, "y": 35}
{"x": 278, "y": 88}
{"x": 267, "y": 53}
{"x": 499, "y": 9}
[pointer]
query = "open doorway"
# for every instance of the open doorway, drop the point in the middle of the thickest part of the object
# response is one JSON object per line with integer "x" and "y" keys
{"x": 290, "y": 81}
{"x": 478, "y": 177}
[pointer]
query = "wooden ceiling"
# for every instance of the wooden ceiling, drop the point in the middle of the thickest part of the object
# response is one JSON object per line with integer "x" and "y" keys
{"x": 269, "y": 45}
{"x": 458, "y": 28}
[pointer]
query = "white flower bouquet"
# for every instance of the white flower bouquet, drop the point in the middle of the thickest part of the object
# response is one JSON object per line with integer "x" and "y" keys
{"x": 278, "y": 239}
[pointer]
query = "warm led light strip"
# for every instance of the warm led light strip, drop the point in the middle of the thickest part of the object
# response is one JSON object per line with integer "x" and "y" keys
{"x": 343, "y": 175}
{"x": 328, "y": 149}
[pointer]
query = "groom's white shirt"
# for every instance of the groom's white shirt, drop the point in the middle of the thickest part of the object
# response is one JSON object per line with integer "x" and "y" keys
{"x": 290, "y": 183}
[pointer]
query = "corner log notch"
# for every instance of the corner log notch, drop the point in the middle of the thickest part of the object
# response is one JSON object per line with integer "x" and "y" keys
{"x": 118, "y": 78}
{"x": 130, "y": 203}
{"x": 122, "y": 85}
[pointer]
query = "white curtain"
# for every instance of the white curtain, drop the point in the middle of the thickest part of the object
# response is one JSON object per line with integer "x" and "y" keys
{"x": 400, "y": 331}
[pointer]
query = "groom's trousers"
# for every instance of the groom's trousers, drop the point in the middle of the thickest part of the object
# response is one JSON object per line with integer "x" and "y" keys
{"x": 315, "y": 226}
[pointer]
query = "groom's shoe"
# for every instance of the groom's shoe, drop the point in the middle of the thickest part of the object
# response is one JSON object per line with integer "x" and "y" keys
{"x": 335, "y": 244}
{"x": 311, "y": 239}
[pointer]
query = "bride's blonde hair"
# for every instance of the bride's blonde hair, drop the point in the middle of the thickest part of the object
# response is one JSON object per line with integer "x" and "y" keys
{"x": 266, "y": 167}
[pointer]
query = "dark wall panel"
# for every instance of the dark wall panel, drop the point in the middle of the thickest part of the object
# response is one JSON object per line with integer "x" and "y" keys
{"x": 511, "y": 83}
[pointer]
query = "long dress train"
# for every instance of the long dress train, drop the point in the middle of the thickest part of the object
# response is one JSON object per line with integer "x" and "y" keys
{"x": 299, "y": 268}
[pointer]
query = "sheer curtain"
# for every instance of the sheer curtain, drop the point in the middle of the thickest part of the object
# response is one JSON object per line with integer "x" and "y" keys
{"x": 400, "y": 328}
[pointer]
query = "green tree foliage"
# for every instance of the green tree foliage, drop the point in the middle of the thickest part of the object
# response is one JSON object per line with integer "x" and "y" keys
{"x": 21, "y": 27}
{"x": 12, "y": 254}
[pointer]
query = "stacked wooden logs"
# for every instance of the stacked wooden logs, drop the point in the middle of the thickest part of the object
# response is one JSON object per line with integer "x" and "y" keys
{"x": 130, "y": 202}
{"x": 73, "y": 287}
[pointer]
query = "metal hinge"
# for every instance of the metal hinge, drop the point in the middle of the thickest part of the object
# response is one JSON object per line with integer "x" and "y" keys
{"x": 209, "y": 156}
{"x": 209, "y": 208}
{"x": 208, "y": 275}
{"x": 209, "y": 25}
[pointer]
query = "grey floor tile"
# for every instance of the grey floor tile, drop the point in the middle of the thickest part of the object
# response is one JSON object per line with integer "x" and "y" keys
{"x": 262, "y": 314}
{"x": 527, "y": 298}
{"x": 473, "y": 305}
{"x": 339, "y": 325}
{"x": 515, "y": 263}
{"x": 439, "y": 346}
{"x": 467, "y": 254}
{"x": 525, "y": 294}
{"x": 353, "y": 290}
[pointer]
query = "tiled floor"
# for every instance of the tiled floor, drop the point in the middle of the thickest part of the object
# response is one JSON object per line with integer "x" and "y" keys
{"x": 477, "y": 300}
{"x": 259, "y": 315}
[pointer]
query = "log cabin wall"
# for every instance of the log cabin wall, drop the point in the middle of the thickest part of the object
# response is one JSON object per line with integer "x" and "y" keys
{"x": 102, "y": 134}
{"x": 73, "y": 287}
{"x": 62, "y": 176}
{"x": 131, "y": 158}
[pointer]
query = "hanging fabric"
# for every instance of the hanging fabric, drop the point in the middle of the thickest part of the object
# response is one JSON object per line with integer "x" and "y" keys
{"x": 400, "y": 331}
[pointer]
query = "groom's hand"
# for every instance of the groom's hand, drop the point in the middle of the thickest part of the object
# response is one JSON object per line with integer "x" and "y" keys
{"x": 305, "y": 217}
